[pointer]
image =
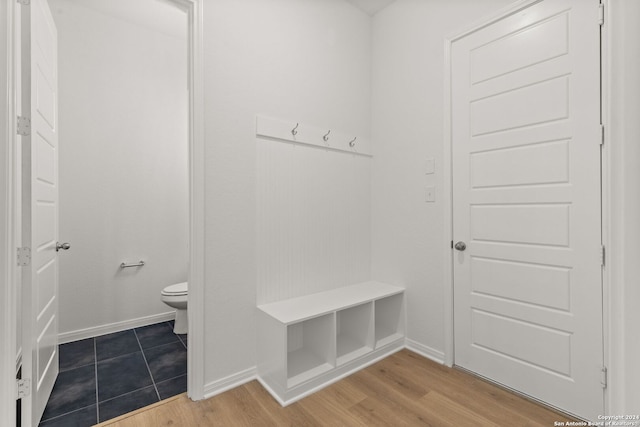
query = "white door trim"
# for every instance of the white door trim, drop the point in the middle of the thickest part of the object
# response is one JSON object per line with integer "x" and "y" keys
{"x": 8, "y": 267}
{"x": 612, "y": 198}
{"x": 620, "y": 202}
{"x": 195, "y": 354}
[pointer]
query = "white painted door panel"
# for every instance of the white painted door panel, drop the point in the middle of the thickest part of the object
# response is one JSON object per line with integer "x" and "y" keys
{"x": 40, "y": 340}
{"x": 526, "y": 191}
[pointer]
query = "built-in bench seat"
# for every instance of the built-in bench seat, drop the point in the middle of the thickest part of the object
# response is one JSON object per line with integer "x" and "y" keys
{"x": 308, "y": 342}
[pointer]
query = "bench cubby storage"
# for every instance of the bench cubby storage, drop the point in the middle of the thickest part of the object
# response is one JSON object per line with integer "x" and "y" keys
{"x": 308, "y": 342}
{"x": 389, "y": 319}
{"x": 354, "y": 329}
{"x": 308, "y": 354}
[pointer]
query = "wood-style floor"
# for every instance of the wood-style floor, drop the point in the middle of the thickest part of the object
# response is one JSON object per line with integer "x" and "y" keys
{"x": 404, "y": 389}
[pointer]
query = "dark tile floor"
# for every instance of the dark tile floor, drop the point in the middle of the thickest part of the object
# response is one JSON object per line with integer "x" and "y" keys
{"x": 104, "y": 377}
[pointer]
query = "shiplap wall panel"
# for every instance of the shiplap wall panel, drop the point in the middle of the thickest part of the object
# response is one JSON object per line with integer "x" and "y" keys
{"x": 313, "y": 219}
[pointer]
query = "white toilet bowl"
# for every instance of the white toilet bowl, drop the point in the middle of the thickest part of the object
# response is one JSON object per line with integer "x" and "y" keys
{"x": 176, "y": 296}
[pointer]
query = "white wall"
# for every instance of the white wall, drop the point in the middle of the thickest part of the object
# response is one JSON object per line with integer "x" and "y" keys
{"x": 407, "y": 117}
{"x": 622, "y": 151}
{"x": 123, "y": 167}
{"x": 308, "y": 60}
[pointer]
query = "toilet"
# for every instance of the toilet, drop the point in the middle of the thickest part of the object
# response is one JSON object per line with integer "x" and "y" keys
{"x": 176, "y": 296}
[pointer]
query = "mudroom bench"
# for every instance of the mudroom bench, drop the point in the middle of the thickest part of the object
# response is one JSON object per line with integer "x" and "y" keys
{"x": 309, "y": 342}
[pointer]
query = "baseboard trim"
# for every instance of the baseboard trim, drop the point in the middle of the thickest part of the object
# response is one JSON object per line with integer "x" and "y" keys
{"x": 110, "y": 328}
{"x": 235, "y": 380}
{"x": 271, "y": 391}
{"x": 425, "y": 351}
{"x": 232, "y": 381}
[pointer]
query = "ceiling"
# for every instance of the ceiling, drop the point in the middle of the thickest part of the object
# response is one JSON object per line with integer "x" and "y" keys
{"x": 371, "y": 7}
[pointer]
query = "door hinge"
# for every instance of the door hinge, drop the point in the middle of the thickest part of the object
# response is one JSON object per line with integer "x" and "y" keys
{"x": 24, "y": 126}
{"x": 24, "y": 256}
{"x": 603, "y": 377}
{"x": 602, "y": 255}
{"x": 24, "y": 2}
{"x": 23, "y": 388}
{"x": 601, "y": 134}
{"x": 601, "y": 14}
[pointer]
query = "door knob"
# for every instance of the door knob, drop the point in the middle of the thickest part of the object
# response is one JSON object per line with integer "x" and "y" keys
{"x": 64, "y": 246}
{"x": 461, "y": 246}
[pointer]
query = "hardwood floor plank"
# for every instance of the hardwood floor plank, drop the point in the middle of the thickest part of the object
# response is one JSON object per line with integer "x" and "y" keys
{"x": 450, "y": 413}
{"x": 331, "y": 407}
{"x": 291, "y": 415}
{"x": 343, "y": 393}
{"x": 376, "y": 412}
{"x": 238, "y": 406}
{"x": 398, "y": 373}
{"x": 404, "y": 389}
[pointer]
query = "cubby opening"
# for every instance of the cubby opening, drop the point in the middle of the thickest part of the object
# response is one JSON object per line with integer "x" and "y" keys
{"x": 389, "y": 320}
{"x": 354, "y": 328}
{"x": 309, "y": 352}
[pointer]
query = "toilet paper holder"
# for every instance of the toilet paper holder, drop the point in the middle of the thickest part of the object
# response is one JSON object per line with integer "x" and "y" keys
{"x": 125, "y": 265}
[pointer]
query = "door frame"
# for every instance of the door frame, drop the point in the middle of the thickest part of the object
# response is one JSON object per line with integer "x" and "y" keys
{"x": 195, "y": 298}
{"x": 620, "y": 203}
{"x": 8, "y": 197}
{"x": 606, "y": 166}
{"x": 10, "y": 214}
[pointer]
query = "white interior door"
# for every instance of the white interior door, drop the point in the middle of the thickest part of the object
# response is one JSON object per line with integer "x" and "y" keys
{"x": 526, "y": 201}
{"x": 40, "y": 212}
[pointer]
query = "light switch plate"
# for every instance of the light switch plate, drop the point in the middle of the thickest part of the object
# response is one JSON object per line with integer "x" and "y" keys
{"x": 430, "y": 194}
{"x": 430, "y": 166}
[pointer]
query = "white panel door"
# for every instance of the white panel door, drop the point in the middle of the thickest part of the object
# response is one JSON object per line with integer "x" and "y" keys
{"x": 40, "y": 340}
{"x": 526, "y": 201}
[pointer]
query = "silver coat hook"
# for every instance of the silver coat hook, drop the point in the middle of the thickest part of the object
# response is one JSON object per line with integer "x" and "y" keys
{"x": 352, "y": 143}
{"x": 294, "y": 131}
{"x": 326, "y": 137}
